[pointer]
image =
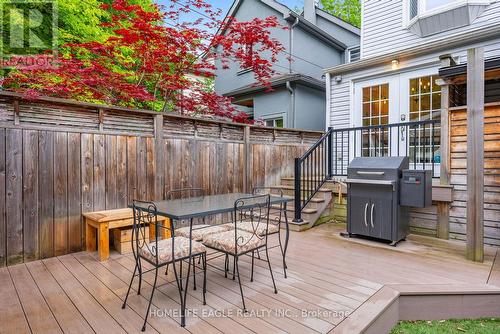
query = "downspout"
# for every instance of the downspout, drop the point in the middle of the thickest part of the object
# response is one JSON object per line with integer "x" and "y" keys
{"x": 292, "y": 104}
{"x": 288, "y": 85}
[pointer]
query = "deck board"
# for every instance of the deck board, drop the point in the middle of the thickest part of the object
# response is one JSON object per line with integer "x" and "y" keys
{"x": 328, "y": 278}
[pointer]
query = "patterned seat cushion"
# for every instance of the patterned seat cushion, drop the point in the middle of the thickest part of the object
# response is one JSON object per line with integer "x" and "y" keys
{"x": 256, "y": 227}
{"x": 199, "y": 231}
{"x": 181, "y": 249}
{"x": 225, "y": 241}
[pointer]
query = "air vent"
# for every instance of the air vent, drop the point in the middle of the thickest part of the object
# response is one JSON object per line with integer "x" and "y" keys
{"x": 353, "y": 54}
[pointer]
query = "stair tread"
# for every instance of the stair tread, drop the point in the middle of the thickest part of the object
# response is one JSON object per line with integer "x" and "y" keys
{"x": 306, "y": 210}
{"x": 292, "y": 188}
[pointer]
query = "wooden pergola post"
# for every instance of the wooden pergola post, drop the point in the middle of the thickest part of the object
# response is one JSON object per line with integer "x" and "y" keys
{"x": 443, "y": 208}
{"x": 475, "y": 154}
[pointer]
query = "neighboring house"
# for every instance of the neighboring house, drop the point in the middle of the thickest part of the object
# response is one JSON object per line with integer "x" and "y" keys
{"x": 314, "y": 40}
{"x": 405, "y": 46}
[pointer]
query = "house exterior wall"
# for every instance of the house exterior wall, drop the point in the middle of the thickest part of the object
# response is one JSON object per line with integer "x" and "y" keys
{"x": 383, "y": 21}
{"x": 311, "y": 105}
{"x": 341, "y": 108}
{"x": 228, "y": 79}
{"x": 280, "y": 104}
{"x": 273, "y": 104}
{"x": 383, "y": 35}
{"x": 311, "y": 56}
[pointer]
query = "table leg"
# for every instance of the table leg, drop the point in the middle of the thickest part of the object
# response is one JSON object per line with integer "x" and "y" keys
{"x": 90, "y": 237}
{"x": 183, "y": 321}
{"x": 103, "y": 236}
{"x": 287, "y": 236}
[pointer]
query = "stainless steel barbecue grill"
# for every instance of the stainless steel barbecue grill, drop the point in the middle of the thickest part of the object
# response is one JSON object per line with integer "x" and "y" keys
{"x": 374, "y": 196}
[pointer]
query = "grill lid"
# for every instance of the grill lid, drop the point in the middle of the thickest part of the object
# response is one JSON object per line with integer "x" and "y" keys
{"x": 377, "y": 168}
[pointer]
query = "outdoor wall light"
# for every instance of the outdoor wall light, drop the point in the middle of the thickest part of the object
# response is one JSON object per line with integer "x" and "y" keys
{"x": 395, "y": 64}
{"x": 338, "y": 78}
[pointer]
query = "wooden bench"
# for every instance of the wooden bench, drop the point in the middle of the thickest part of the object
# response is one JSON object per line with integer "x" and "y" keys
{"x": 99, "y": 223}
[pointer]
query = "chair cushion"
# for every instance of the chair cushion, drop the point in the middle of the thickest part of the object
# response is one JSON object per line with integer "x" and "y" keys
{"x": 199, "y": 231}
{"x": 256, "y": 227}
{"x": 181, "y": 249}
{"x": 225, "y": 241}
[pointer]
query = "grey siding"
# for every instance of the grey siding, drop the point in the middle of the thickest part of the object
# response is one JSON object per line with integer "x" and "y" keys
{"x": 310, "y": 56}
{"x": 272, "y": 104}
{"x": 229, "y": 79}
{"x": 310, "y": 108}
{"x": 382, "y": 29}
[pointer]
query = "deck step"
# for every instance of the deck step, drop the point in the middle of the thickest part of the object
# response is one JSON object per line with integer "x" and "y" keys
{"x": 283, "y": 187}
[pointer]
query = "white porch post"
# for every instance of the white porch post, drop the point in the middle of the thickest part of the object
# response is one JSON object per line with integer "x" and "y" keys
{"x": 475, "y": 154}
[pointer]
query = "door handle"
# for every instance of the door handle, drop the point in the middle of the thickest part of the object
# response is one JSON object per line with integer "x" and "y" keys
{"x": 366, "y": 207}
{"x": 403, "y": 133}
{"x": 371, "y": 215}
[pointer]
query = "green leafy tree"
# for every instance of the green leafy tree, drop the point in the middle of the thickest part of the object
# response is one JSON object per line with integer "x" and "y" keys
{"x": 347, "y": 10}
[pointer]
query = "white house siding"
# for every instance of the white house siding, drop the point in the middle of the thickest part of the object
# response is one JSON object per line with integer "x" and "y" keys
{"x": 422, "y": 221}
{"x": 382, "y": 29}
{"x": 341, "y": 93}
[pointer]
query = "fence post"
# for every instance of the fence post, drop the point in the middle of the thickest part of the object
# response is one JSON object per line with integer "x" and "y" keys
{"x": 159, "y": 158}
{"x": 246, "y": 158}
{"x": 329, "y": 153}
{"x": 297, "y": 203}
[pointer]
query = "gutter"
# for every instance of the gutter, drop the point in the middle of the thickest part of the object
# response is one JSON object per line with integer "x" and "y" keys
{"x": 315, "y": 31}
{"x": 471, "y": 37}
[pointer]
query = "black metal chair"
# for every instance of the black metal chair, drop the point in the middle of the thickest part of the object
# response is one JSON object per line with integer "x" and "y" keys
{"x": 275, "y": 224}
{"x": 161, "y": 252}
{"x": 238, "y": 242}
{"x": 197, "y": 231}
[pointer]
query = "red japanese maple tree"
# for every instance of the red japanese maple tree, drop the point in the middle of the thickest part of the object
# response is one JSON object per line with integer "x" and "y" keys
{"x": 148, "y": 60}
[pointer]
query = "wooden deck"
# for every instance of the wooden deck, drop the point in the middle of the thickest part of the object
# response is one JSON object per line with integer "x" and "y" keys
{"x": 329, "y": 277}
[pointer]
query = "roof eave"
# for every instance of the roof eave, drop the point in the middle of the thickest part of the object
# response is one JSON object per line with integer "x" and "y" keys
{"x": 297, "y": 78}
{"x": 315, "y": 31}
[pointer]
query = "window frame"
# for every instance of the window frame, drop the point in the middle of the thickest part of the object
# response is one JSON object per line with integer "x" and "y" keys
{"x": 349, "y": 50}
{"x": 422, "y": 13}
{"x": 274, "y": 119}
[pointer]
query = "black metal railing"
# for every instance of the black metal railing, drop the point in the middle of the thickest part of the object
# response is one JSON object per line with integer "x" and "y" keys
{"x": 333, "y": 152}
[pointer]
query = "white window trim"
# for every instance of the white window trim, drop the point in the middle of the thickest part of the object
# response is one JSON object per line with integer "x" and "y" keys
{"x": 275, "y": 116}
{"x": 422, "y": 13}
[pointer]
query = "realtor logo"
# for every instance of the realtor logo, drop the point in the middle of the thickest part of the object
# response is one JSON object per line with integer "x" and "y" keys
{"x": 28, "y": 33}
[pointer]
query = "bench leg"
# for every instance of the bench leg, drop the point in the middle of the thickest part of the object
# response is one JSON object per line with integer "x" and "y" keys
{"x": 90, "y": 238}
{"x": 103, "y": 236}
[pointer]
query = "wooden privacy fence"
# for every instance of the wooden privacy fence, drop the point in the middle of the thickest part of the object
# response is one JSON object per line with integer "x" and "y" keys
{"x": 458, "y": 164}
{"x": 60, "y": 158}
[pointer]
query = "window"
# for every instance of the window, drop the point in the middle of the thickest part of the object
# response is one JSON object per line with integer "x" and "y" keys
{"x": 353, "y": 54}
{"x": 375, "y": 109}
{"x": 428, "y": 17}
{"x": 275, "y": 122}
{"x": 424, "y": 104}
{"x": 419, "y": 7}
{"x": 413, "y": 8}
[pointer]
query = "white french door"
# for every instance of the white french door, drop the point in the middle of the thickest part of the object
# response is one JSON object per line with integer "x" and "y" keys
{"x": 376, "y": 103}
{"x": 405, "y": 97}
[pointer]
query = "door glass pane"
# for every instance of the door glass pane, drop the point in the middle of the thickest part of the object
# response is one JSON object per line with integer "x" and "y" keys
{"x": 424, "y": 104}
{"x": 366, "y": 94}
{"x": 375, "y": 111}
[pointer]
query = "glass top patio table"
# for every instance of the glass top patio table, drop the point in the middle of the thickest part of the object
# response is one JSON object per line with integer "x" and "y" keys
{"x": 194, "y": 207}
